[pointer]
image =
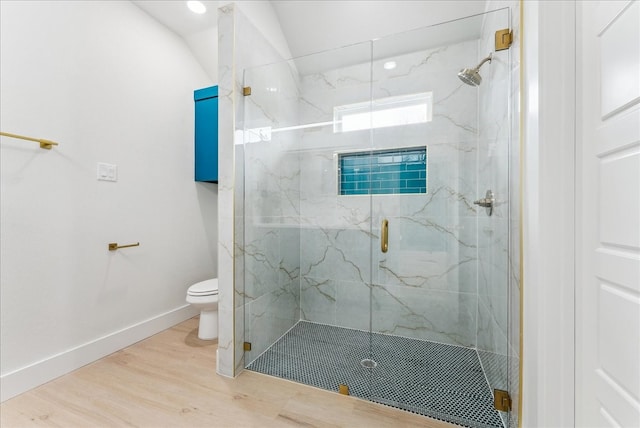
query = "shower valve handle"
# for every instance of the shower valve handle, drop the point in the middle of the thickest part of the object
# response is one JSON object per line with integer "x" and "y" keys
{"x": 484, "y": 202}
{"x": 487, "y": 202}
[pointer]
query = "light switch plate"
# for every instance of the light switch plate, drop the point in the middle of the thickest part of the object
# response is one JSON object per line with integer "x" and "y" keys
{"x": 107, "y": 172}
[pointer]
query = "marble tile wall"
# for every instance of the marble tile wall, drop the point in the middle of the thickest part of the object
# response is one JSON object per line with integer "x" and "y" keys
{"x": 271, "y": 207}
{"x": 425, "y": 286}
{"x": 226, "y": 179}
{"x": 258, "y": 248}
{"x": 335, "y": 232}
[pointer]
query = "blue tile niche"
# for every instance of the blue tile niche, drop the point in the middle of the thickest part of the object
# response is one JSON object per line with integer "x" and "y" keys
{"x": 383, "y": 172}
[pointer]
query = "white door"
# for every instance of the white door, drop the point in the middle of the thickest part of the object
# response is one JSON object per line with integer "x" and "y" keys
{"x": 608, "y": 214}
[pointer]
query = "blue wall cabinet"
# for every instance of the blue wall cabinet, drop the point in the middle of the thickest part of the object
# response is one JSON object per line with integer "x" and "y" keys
{"x": 206, "y": 134}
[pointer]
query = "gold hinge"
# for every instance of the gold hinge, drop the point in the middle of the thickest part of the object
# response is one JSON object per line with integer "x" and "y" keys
{"x": 501, "y": 400}
{"x": 343, "y": 389}
{"x": 504, "y": 38}
{"x": 247, "y": 346}
{"x": 246, "y": 91}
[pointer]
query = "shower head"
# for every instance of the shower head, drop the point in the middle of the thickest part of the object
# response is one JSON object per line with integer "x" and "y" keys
{"x": 471, "y": 76}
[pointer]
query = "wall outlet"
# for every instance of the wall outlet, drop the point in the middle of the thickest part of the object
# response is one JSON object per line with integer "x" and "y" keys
{"x": 107, "y": 172}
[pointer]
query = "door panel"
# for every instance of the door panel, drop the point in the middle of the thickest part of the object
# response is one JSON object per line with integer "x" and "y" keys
{"x": 445, "y": 276}
{"x": 608, "y": 287}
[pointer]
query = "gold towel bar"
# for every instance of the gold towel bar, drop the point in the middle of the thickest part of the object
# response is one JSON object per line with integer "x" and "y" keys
{"x": 44, "y": 144}
{"x": 114, "y": 246}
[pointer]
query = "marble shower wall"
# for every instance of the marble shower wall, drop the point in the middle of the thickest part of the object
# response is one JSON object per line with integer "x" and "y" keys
{"x": 425, "y": 286}
{"x": 226, "y": 238}
{"x": 242, "y": 267}
{"x": 334, "y": 233}
{"x": 271, "y": 206}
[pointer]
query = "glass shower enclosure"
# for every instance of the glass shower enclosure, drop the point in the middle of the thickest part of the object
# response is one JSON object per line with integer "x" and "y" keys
{"x": 375, "y": 229}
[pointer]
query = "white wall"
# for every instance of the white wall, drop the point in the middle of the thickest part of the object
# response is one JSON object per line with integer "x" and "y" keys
{"x": 260, "y": 13}
{"x": 204, "y": 46}
{"x": 111, "y": 85}
{"x": 548, "y": 93}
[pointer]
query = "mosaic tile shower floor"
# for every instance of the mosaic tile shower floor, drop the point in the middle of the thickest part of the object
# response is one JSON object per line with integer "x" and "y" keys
{"x": 432, "y": 379}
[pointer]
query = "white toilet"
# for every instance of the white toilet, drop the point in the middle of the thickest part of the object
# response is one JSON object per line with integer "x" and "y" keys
{"x": 204, "y": 296}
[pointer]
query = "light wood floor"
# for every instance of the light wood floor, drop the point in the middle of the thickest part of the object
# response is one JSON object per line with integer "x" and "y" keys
{"x": 169, "y": 380}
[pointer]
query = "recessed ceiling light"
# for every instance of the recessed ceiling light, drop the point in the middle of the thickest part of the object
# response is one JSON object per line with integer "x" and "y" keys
{"x": 389, "y": 65}
{"x": 196, "y": 7}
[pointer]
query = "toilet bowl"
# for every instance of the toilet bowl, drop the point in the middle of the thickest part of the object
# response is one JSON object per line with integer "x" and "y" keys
{"x": 204, "y": 296}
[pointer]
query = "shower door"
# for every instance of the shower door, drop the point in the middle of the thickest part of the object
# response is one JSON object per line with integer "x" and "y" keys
{"x": 440, "y": 290}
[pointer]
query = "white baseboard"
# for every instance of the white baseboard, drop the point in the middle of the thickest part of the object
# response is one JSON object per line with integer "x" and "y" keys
{"x": 36, "y": 374}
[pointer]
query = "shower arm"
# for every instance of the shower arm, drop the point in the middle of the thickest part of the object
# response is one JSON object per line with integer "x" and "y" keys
{"x": 483, "y": 61}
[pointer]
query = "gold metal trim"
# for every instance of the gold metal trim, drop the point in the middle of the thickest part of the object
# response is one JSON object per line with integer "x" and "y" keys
{"x": 343, "y": 389}
{"x": 234, "y": 100}
{"x": 246, "y": 91}
{"x": 504, "y": 38}
{"x": 247, "y": 346}
{"x": 114, "y": 246}
{"x": 521, "y": 214}
{"x": 384, "y": 240}
{"x": 501, "y": 400}
{"x": 44, "y": 144}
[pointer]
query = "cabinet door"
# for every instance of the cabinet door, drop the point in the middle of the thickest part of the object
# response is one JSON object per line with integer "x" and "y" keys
{"x": 206, "y": 134}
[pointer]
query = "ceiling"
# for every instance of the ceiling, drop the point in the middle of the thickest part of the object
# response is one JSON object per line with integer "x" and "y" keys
{"x": 311, "y": 26}
{"x": 177, "y": 17}
{"x": 314, "y": 26}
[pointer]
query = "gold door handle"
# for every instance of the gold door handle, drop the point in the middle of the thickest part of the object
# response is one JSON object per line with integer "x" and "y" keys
{"x": 384, "y": 240}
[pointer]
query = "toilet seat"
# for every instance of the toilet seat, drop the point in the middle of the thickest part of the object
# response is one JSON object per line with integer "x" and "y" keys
{"x": 204, "y": 288}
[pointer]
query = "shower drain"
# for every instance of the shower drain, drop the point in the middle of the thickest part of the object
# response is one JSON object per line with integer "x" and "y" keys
{"x": 368, "y": 363}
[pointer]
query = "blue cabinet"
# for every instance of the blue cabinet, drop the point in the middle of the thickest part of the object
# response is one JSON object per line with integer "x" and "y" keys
{"x": 206, "y": 134}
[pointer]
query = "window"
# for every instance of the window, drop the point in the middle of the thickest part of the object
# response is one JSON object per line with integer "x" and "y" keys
{"x": 384, "y": 112}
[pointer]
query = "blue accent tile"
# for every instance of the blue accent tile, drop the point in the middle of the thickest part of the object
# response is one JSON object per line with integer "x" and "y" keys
{"x": 392, "y": 167}
{"x": 415, "y": 183}
{"x": 408, "y": 175}
{"x": 416, "y": 167}
{"x": 347, "y": 186}
{"x": 410, "y": 190}
{"x": 396, "y": 171}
